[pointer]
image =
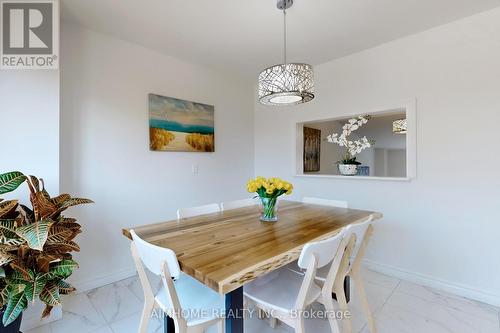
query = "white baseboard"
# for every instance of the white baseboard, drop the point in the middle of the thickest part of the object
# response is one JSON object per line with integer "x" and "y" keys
{"x": 102, "y": 280}
{"x": 436, "y": 283}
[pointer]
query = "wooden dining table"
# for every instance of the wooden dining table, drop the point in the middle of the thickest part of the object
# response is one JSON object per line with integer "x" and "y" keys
{"x": 229, "y": 249}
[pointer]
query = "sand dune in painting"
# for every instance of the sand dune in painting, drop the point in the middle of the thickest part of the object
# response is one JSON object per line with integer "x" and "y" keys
{"x": 164, "y": 140}
{"x": 201, "y": 142}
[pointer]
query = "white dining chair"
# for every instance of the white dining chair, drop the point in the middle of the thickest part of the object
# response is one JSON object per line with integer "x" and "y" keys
{"x": 228, "y": 205}
{"x": 287, "y": 295}
{"x": 192, "y": 306}
{"x": 183, "y": 213}
{"x": 357, "y": 237}
{"x": 325, "y": 202}
{"x": 317, "y": 201}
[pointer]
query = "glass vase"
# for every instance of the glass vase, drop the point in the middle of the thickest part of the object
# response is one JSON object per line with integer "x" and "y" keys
{"x": 269, "y": 209}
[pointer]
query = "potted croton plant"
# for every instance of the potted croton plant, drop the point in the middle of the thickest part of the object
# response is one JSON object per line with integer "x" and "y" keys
{"x": 348, "y": 166}
{"x": 35, "y": 249}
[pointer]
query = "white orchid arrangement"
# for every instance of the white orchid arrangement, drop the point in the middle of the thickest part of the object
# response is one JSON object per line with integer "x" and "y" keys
{"x": 353, "y": 147}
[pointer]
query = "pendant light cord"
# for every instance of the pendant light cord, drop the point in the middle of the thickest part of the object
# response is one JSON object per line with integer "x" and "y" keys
{"x": 284, "y": 30}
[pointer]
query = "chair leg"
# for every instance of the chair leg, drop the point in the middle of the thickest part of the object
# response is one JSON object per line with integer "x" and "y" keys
{"x": 341, "y": 299}
{"x": 334, "y": 324}
{"x": 364, "y": 302}
{"x": 299, "y": 325}
{"x": 146, "y": 315}
{"x": 220, "y": 326}
{"x": 272, "y": 322}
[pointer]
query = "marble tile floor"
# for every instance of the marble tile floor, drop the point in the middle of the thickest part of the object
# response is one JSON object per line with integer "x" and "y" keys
{"x": 398, "y": 306}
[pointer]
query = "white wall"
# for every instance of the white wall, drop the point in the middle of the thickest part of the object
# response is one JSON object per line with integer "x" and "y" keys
{"x": 442, "y": 228}
{"x": 105, "y": 144}
{"x": 29, "y": 121}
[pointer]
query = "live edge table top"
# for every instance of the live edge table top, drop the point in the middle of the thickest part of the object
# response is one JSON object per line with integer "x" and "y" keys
{"x": 229, "y": 249}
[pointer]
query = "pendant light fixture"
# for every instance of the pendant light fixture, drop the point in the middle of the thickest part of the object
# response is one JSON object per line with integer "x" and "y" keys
{"x": 287, "y": 83}
{"x": 399, "y": 126}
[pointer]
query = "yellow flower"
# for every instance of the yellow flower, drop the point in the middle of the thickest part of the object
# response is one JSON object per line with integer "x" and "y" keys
{"x": 270, "y": 184}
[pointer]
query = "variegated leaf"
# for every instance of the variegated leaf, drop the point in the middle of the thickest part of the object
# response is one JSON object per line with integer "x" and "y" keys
{"x": 14, "y": 288}
{"x": 35, "y": 234}
{"x": 6, "y": 258}
{"x": 44, "y": 260}
{"x": 60, "y": 199}
{"x": 46, "y": 312}
{"x": 10, "y": 238}
{"x": 35, "y": 183}
{"x": 59, "y": 234}
{"x": 18, "y": 277}
{"x": 16, "y": 304}
{"x": 71, "y": 202}
{"x": 62, "y": 248}
{"x": 8, "y": 225}
{"x": 63, "y": 268}
{"x": 4, "y": 295}
{"x": 50, "y": 295}
{"x": 65, "y": 288}
{"x": 30, "y": 215}
{"x": 42, "y": 206}
{"x": 10, "y": 181}
{"x": 70, "y": 224}
{"x": 21, "y": 270}
{"x": 7, "y": 207}
{"x": 35, "y": 287}
{"x": 8, "y": 248}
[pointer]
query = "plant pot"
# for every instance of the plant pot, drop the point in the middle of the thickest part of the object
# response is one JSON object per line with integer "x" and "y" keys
{"x": 348, "y": 169}
{"x": 269, "y": 209}
{"x": 12, "y": 327}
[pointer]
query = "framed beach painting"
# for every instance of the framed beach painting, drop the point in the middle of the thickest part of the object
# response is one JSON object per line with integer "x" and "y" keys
{"x": 179, "y": 125}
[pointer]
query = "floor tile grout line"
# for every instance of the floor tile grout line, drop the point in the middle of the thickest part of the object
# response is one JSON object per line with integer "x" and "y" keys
{"x": 448, "y": 295}
{"x": 95, "y": 307}
{"x": 438, "y": 303}
{"x": 390, "y": 295}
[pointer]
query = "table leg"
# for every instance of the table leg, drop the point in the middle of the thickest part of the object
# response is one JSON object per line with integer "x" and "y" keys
{"x": 347, "y": 289}
{"x": 234, "y": 311}
{"x": 168, "y": 324}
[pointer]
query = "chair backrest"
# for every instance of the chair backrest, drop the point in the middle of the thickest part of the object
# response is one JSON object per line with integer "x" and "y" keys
{"x": 153, "y": 257}
{"x": 324, "y": 251}
{"x": 359, "y": 230}
{"x": 237, "y": 204}
{"x": 325, "y": 202}
{"x": 198, "y": 210}
{"x": 161, "y": 262}
{"x": 315, "y": 255}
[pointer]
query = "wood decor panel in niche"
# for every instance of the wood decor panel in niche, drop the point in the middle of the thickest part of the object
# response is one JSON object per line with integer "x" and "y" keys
{"x": 312, "y": 149}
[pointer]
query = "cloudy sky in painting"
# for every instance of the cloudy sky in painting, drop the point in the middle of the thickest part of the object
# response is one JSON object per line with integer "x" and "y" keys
{"x": 184, "y": 112}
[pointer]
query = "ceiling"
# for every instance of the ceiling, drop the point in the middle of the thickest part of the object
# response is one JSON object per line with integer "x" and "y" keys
{"x": 242, "y": 37}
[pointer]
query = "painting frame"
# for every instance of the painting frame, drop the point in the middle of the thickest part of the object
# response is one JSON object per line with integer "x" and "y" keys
{"x": 178, "y": 125}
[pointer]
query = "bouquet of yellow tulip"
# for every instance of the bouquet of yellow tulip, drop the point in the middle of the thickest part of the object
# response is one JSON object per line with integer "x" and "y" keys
{"x": 269, "y": 190}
